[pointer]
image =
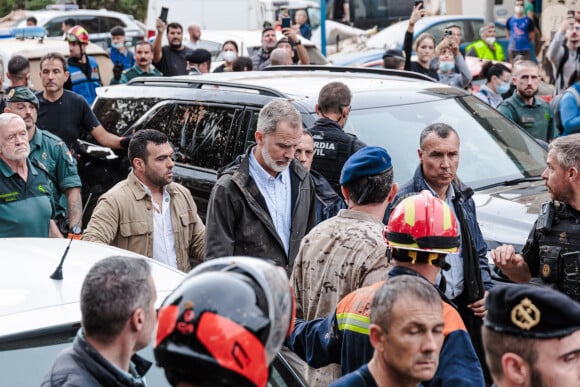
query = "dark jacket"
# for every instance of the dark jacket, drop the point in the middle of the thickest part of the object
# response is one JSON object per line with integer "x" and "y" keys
{"x": 82, "y": 365}
{"x": 238, "y": 221}
{"x": 466, "y": 203}
{"x": 328, "y": 202}
{"x": 332, "y": 147}
{"x": 343, "y": 338}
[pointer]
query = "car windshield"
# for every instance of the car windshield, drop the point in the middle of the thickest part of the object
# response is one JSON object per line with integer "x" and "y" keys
{"x": 493, "y": 150}
{"x": 390, "y": 37}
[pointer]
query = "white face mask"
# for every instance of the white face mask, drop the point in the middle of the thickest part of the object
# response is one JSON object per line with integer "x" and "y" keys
{"x": 490, "y": 40}
{"x": 229, "y": 56}
{"x": 118, "y": 46}
{"x": 519, "y": 9}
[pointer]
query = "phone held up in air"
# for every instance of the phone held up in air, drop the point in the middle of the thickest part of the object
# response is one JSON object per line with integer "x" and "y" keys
{"x": 417, "y": 2}
{"x": 286, "y": 22}
{"x": 571, "y": 13}
{"x": 163, "y": 16}
{"x": 448, "y": 33}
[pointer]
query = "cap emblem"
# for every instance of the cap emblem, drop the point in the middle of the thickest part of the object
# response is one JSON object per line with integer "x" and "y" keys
{"x": 525, "y": 315}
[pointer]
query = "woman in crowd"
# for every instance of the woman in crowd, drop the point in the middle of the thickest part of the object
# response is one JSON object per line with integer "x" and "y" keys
{"x": 498, "y": 79}
{"x": 424, "y": 46}
{"x": 229, "y": 54}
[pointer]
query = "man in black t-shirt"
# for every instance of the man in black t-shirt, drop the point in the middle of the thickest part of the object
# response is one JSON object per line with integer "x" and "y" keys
{"x": 66, "y": 113}
{"x": 171, "y": 59}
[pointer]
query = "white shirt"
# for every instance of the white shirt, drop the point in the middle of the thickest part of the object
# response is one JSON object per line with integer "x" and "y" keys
{"x": 277, "y": 192}
{"x": 163, "y": 236}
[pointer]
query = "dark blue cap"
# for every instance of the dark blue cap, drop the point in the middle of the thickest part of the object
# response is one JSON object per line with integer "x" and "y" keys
{"x": 368, "y": 161}
{"x": 531, "y": 311}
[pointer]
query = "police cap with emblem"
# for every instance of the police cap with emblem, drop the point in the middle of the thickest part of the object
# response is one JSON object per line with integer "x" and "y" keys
{"x": 531, "y": 311}
{"x": 367, "y": 161}
{"x": 22, "y": 94}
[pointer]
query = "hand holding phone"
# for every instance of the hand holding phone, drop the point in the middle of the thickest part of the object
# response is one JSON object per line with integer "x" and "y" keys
{"x": 286, "y": 21}
{"x": 163, "y": 16}
{"x": 571, "y": 13}
{"x": 417, "y": 2}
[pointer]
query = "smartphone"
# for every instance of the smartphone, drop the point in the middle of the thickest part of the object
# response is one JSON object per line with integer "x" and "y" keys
{"x": 286, "y": 22}
{"x": 417, "y": 2}
{"x": 448, "y": 33}
{"x": 163, "y": 15}
{"x": 571, "y": 13}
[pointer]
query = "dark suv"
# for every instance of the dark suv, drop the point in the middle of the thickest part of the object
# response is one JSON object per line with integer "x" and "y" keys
{"x": 211, "y": 119}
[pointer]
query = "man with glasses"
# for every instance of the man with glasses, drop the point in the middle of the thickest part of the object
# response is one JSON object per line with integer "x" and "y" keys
{"x": 523, "y": 108}
{"x": 26, "y": 206}
{"x": 562, "y": 53}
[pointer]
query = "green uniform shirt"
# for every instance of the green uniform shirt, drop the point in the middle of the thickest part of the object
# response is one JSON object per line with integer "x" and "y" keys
{"x": 535, "y": 118}
{"x": 52, "y": 152}
{"x": 25, "y": 207}
{"x": 135, "y": 72}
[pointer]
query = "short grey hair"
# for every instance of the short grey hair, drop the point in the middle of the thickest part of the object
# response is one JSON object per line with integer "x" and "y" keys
{"x": 440, "y": 129}
{"x": 567, "y": 150}
{"x": 275, "y": 111}
{"x": 113, "y": 289}
{"x": 404, "y": 287}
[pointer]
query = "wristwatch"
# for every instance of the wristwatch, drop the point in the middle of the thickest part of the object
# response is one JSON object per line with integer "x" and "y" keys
{"x": 298, "y": 43}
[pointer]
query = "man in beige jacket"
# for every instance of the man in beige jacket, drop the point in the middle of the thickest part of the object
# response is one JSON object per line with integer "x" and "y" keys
{"x": 148, "y": 213}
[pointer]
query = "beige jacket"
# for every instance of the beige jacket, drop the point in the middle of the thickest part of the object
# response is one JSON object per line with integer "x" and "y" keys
{"x": 123, "y": 218}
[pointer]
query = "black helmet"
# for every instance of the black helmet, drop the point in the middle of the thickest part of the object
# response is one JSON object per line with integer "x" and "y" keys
{"x": 224, "y": 324}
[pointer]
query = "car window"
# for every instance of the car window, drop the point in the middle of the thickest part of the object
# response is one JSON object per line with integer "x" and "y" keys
{"x": 54, "y": 26}
{"x": 107, "y": 23}
{"x": 25, "y": 362}
{"x": 493, "y": 149}
{"x": 201, "y": 134}
{"x": 437, "y": 29}
{"x": 118, "y": 114}
{"x": 90, "y": 23}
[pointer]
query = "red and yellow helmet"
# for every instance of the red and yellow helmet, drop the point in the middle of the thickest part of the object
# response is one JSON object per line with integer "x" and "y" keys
{"x": 423, "y": 222}
{"x": 78, "y": 34}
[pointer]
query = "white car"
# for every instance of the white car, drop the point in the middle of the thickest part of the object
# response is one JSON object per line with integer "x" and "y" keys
{"x": 97, "y": 22}
{"x": 39, "y": 316}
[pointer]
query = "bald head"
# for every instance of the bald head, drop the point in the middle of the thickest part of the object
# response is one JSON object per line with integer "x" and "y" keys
{"x": 280, "y": 57}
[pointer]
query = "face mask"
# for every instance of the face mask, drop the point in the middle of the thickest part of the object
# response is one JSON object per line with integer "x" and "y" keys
{"x": 118, "y": 46}
{"x": 503, "y": 87}
{"x": 229, "y": 56}
{"x": 446, "y": 66}
{"x": 519, "y": 9}
{"x": 490, "y": 40}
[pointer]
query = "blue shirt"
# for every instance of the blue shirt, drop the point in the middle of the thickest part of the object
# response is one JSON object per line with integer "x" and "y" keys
{"x": 453, "y": 276}
{"x": 277, "y": 192}
{"x": 520, "y": 29}
{"x": 127, "y": 60}
{"x": 570, "y": 111}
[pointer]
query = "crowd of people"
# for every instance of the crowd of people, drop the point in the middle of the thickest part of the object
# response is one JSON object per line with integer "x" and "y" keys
{"x": 389, "y": 285}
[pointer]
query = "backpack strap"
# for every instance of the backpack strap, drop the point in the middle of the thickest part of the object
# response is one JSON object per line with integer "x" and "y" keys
{"x": 563, "y": 61}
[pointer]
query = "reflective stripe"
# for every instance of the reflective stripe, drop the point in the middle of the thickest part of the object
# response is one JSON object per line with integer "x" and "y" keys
{"x": 353, "y": 322}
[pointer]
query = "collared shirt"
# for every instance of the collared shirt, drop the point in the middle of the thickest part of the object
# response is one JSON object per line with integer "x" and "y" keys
{"x": 454, "y": 276}
{"x": 535, "y": 118}
{"x": 277, "y": 192}
{"x": 163, "y": 237}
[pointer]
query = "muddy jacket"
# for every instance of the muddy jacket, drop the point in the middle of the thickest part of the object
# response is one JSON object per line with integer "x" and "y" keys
{"x": 238, "y": 221}
{"x": 342, "y": 338}
{"x": 123, "y": 218}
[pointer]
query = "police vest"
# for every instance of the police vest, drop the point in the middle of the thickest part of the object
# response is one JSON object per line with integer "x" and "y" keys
{"x": 483, "y": 51}
{"x": 331, "y": 150}
{"x": 559, "y": 251}
{"x": 83, "y": 85}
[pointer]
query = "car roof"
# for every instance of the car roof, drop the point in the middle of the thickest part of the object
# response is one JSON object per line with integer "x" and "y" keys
{"x": 30, "y": 299}
{"x": 34, "y": 49}
{"x": 370, "y": 87}
{"x": 45, "y": 15}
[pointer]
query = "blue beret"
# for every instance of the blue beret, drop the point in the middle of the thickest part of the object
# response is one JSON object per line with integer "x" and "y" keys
{"x": 368, "y": 161}
{"x": 531, "y": 311}
{"x": 22, "y": 94}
